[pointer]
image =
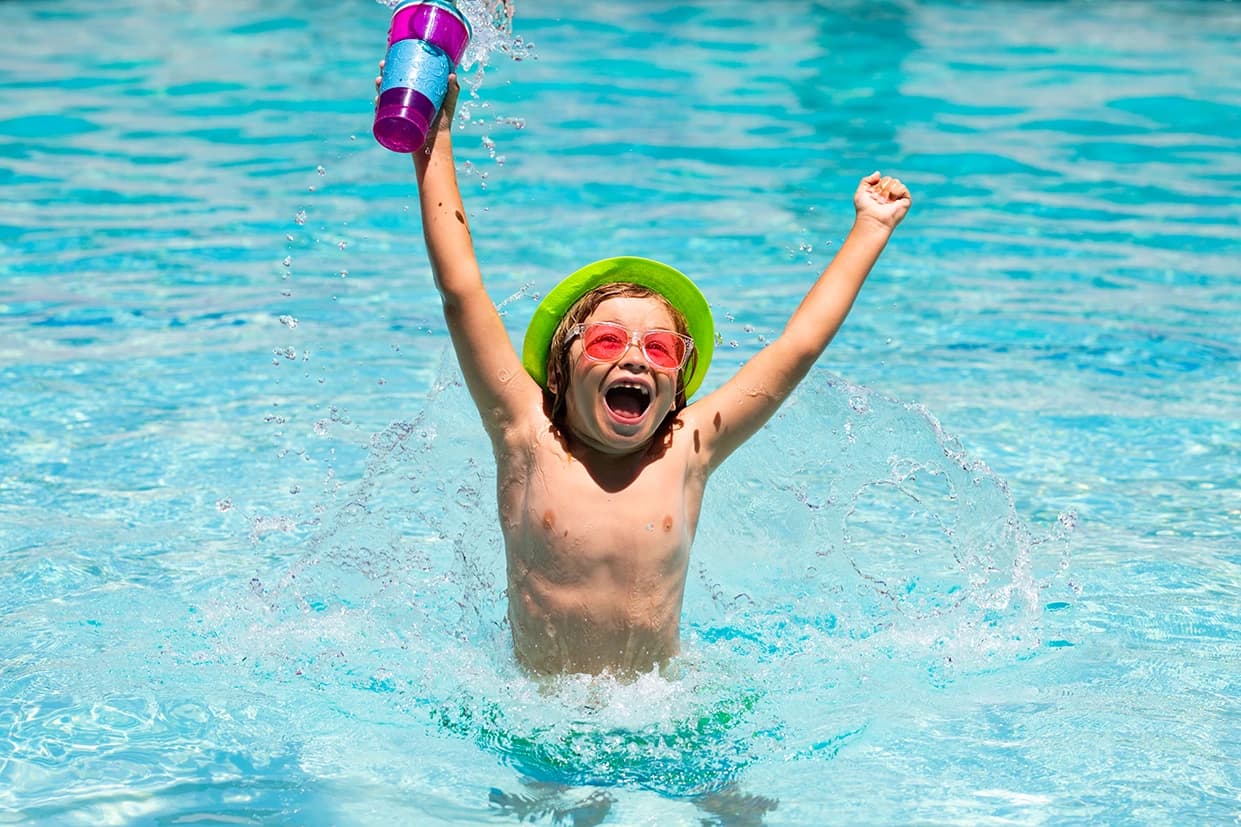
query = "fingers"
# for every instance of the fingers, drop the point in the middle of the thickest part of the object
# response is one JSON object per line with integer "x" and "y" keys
{"x": 450, "y": 97}
{"x": 883, "y": 187}
{"x": 893, "y": 190}
{"x": 886, "y": 187}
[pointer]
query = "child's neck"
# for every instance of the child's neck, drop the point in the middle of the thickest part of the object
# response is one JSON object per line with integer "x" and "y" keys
{"x": 611, "y": 469}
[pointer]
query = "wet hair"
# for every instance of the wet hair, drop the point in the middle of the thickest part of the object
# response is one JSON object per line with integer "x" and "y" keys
{"x": 558, "y": 370}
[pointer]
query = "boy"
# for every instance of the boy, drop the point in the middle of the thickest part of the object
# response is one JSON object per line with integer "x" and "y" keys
{"x": 601, "y": 463}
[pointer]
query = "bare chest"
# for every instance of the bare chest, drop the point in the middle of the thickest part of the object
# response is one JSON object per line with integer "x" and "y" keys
{"x": 563, "y": 516}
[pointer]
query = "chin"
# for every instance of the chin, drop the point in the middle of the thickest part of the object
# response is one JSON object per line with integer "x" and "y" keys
{"x": 612, "y": 435}
{"x": 622, "y": 443}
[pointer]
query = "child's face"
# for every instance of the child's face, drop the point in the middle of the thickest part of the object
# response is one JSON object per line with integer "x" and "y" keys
{"x": 617, "y": 406}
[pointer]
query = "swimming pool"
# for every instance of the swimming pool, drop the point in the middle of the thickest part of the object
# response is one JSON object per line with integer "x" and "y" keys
{"x": 984, "y": 567}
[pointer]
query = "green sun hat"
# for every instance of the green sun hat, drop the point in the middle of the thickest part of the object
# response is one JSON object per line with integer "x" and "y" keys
{"x": 667, "y": 281}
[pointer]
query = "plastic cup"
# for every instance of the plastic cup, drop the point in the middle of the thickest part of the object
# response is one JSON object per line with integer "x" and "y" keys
{"x": 425, "y": 43}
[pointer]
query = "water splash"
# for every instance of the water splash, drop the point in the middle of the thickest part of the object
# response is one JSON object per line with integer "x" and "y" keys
{"x": 878, "y": 554}
{"x": 875, "y": 537}
{"x": 881, "y": 564}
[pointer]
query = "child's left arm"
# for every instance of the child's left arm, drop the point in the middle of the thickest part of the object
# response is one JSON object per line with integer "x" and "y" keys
{"x": 733, "y": 413}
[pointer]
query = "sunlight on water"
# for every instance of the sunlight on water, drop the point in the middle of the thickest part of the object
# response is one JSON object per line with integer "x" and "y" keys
{"x": 254, "y": 570}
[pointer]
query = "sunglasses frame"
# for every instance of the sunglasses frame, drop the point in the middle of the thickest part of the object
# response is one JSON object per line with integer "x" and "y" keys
{"x": 635, "y": 337}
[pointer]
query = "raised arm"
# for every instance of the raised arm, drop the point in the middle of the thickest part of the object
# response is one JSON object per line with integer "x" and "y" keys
{"x": 733, "y": 413}
{"x": 501, "y": 388}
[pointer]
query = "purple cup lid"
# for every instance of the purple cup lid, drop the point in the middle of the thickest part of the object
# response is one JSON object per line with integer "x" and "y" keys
{"x": 434, "y": 21}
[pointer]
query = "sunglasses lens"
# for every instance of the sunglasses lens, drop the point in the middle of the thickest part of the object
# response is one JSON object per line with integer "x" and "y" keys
{"x": 605, "y": 342}
{"x": 664, "y": 349}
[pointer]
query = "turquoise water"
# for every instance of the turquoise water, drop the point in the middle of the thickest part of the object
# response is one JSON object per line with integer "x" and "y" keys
{"x": 984, "y": 568}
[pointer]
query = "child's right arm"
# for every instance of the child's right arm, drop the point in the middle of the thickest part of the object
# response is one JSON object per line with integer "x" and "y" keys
{"x": 731, "y": 414}
{"x": 501, "y": 388}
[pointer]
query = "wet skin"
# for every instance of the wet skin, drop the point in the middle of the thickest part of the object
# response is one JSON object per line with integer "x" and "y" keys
{"x": 597, "y": 532}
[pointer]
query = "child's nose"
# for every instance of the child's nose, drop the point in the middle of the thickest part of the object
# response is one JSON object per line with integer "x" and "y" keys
{"x": 634, "y": 356}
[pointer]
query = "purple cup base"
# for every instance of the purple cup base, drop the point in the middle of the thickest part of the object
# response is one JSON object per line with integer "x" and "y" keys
{"x": 403, "y": 119}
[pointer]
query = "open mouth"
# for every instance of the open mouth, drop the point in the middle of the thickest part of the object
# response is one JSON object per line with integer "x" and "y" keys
{"x": 627, "y": 402}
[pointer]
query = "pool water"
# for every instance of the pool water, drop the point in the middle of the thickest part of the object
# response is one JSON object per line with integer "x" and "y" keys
{"x": 983, "y": 568}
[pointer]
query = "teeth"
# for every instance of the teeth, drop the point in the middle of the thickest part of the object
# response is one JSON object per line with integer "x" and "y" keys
{"x": 643, "y": 389}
